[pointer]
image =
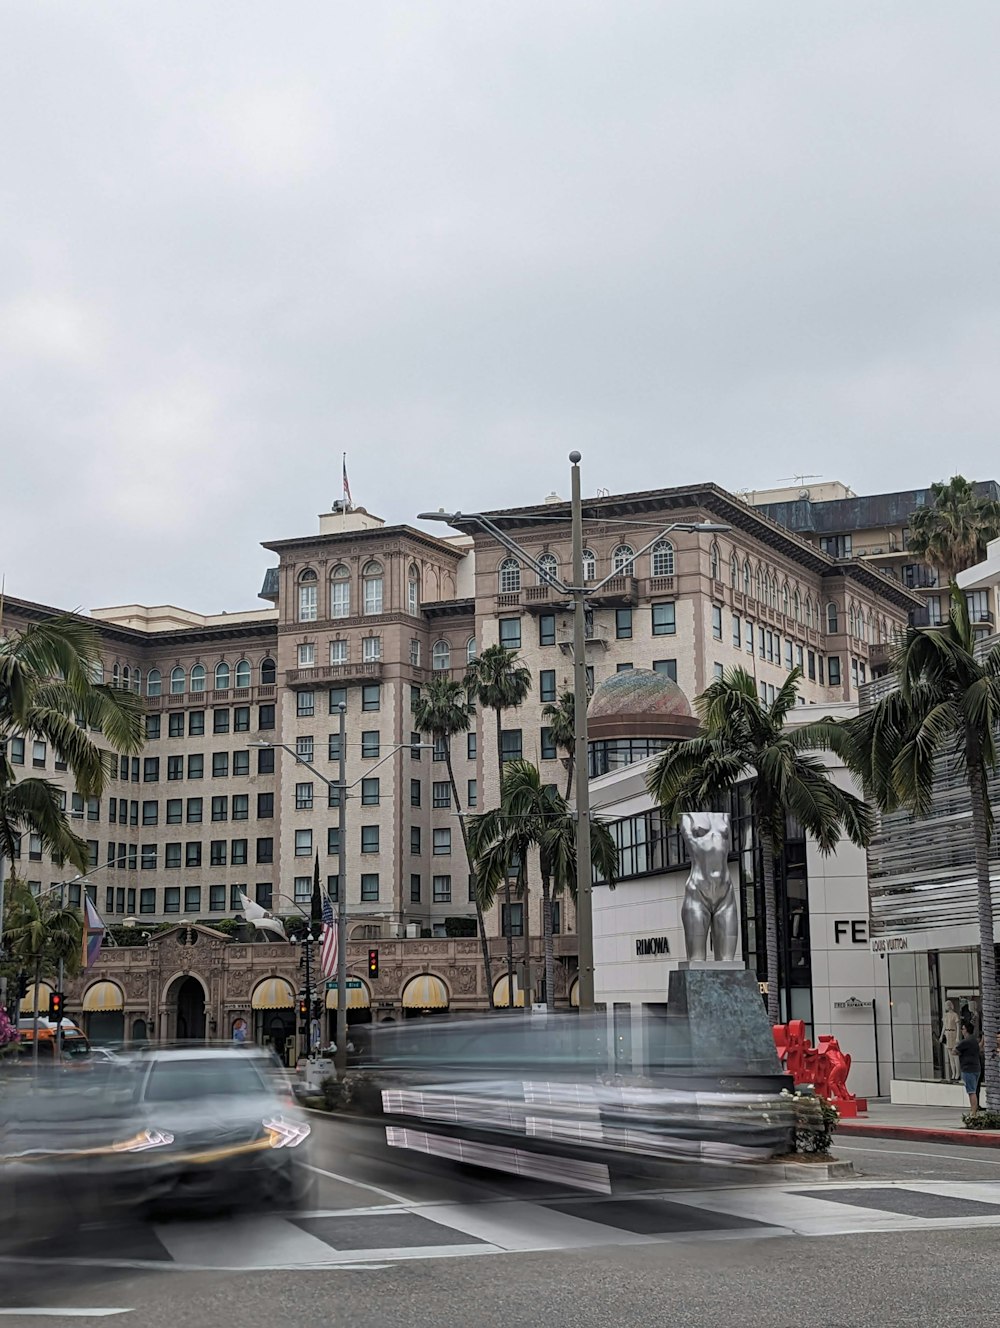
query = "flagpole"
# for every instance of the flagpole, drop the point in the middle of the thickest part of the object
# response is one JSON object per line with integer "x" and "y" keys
{"x": 340, "y": 1056}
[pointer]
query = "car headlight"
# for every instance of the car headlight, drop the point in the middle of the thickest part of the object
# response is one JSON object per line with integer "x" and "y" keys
{"x": 284, "y": 1133}
{"x": 143, "y": 1141}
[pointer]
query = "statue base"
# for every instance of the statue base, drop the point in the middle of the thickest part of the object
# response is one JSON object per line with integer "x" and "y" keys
{"x": 712, "y": 966}
{"x": 719, "y": 1019}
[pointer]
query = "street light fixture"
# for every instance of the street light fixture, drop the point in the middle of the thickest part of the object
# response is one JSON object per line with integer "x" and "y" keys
{"x": 579, "y": 592}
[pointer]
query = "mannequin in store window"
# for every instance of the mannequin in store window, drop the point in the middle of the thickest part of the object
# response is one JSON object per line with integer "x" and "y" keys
{"x": 949, "y": 1040}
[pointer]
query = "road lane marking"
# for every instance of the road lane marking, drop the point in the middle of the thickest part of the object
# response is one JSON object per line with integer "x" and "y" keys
{"x": 362, "y": 1185}
{"x": 913, "y": 1152}
{"x": 64, "y": 1313}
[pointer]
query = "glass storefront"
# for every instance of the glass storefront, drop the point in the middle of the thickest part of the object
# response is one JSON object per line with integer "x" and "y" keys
{"x": 921, "y": 984}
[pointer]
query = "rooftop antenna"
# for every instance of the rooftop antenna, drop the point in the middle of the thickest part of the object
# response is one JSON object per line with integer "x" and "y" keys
{"x": 798, "y": 479}
{"x": 603, "y": 493}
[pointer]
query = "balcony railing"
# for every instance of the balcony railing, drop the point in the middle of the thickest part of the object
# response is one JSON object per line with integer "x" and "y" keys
{"x": 228, "y": 696}
{"x": 366, "y": 669}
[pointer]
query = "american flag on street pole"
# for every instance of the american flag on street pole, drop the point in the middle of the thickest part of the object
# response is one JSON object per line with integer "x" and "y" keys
{"x": 328, "y": 940}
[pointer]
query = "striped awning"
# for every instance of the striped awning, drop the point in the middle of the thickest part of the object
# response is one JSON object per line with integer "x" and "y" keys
{"x": 425, "y": 992}
{"x": 501, "y": 993}
{"x": 273, "y": 994}
{"x": 358, "y": 998}
{"x": 103, "y": 997}
{"x": 574, "y": 993}
{"x": 28, "y": 1000}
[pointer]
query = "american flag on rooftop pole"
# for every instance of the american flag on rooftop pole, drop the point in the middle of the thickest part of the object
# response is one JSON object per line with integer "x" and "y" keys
{"x": 347, "y": 488}
{"x": 328, "y": 940}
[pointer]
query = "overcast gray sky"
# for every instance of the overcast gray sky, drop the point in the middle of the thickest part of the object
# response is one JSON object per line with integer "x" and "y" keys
{"x": 727, "y": 241}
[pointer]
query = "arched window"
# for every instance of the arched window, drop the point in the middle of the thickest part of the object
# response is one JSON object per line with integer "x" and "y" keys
{"x": 509, "y": 572}
{"x": 759, "y": 586}
{"x": 797, "y": 605}
{"x": 116, "y": 676}
{"x": 663, "y": 558}
{"x": 127, "y": 678}
{"x": 267, "y": 672}
{"x": 734, "y": 571}
{"x": 548, "y": 569}
{"x": 883, "y": 632}
{"x": 784, "y": 599}
{"x": 746, "y": 576}
{"x": 413, "y": 591}
{"x": 715, "y": 561}
{"x": 471, "y": 650}
{"x": 832, "y": 624}
{"x": 177, "y": 681}
{"x": 340, "y": 592}
{"x": 589, "y": 565}
{"x": 243, "y": 673}
{"x": 809, "y": 611}
{"x": 441, "y": 655}
{"x": 307, "y": 596}
{"x": 371, "y": 585}
{"x": 222, "y": 677}
{"x": 198, "y": 678}
{"x": 623, "y": 558}
{"x": 154, "y": 682}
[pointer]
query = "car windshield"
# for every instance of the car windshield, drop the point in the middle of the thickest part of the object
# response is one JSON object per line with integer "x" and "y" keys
{"x": 180, "y": 1080}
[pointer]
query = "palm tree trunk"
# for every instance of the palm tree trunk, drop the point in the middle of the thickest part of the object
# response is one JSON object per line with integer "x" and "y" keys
{"x": 506, "y": 883}
{"x": 526, "y": 928}
{"x": 988, "y": 998}
{"x": 550, "y": 963}
{"x": 771, "y": 928}
{"x": 34, "y": 1047}
{"x": 569, "y": 774}
{"x": 480, "y": 920}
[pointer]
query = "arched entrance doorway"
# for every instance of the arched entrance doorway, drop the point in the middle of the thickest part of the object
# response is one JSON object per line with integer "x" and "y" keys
{"x": 186, "y": 1001}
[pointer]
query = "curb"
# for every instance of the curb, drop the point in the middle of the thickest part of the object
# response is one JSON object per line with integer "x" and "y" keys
{"x": 919, "y": 1133}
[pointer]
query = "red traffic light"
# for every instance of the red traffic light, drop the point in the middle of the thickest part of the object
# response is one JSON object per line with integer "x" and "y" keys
{"x": 373, "y": 963}
{"x": 303, "y": 1009}
{"x": 55, "y": 1005}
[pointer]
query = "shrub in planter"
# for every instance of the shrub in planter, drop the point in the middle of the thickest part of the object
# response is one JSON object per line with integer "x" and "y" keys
{"x": 815, "y": 1121}
{"x": 983, "y": 1119}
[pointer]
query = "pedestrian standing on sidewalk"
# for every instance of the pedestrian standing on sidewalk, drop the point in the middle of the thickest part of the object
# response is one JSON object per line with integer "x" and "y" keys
{"x": 969, "y": 1063}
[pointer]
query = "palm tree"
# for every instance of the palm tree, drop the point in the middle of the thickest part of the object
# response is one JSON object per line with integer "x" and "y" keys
{"x": 561, "y": 719}
{"x": 536, "y": 815}
{"x": 441, "y": 710}
{"x": 38, "y": 934}
{"x": 952, "y": 531}
{"x": 744, "y": 739}
{"x": 498, "y": 681}
{"x": 945, "y": 706}
{"x": 47, "y": 692}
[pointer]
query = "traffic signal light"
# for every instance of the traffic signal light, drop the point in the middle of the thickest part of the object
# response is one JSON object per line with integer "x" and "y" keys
{"x": 373, "y": 963}
{"x": 22, "y": 986}
{"x": 55, "y": 1005}
{"x": 303, "y": 1010}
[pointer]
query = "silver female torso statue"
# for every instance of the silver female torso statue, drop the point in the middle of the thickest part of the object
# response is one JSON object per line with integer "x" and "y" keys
{"x": 709, "y": 897}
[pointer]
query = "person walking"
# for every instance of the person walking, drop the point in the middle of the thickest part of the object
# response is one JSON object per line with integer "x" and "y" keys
{"x": 969, "y": 1063}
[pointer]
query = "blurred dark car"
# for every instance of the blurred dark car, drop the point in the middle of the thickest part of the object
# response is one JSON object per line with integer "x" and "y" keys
{"x": 534, "y": 1095}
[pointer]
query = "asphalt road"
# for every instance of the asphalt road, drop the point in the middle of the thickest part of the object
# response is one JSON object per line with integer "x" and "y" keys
{"x": 698, "y": 1280}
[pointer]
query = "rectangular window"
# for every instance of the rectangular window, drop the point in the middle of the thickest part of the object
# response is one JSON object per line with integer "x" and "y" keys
{"x": 442, "y": 843}
{"x": 414, "y": 792}
{"x": 150, "y": 813}
{"x": 761, "y": 642}
{"x": 196, "y": 766}
{"x": 333, "y": 888}
{"x": 624, "y": 667}
{"x": 441, "y": 887}
{"x": 333, "y": 795}
{"x": 192, "y": 853}
{"x": 414, "y": 887}
{"x": 147, "y": 901}
{"x": 175, "y": 811}
{"x": 151, "y": 768}
{"x": 304, "y": 748}
{"x": 303, "y": 843}
{"x": 152, "y": 727}
{"x": 717, "y": 622}
{"x": 307, "y": 655}
{"x": 93, "y": 848}
{"x": 440, "y": 750}
{"x": 333, "y": 747}
{"x": 241, "y": 763}
{"x": 737, "y": 632}
{"x": 217, "y": 899}
{"x": 415, "y": 652}
{"x": 220, "y": 765}
{"x": 664, "y": 619}
{"x": 265, "y": 805}
{"x": 748, "y": 637}
{"x": 17, "y": 751}
{"x": 338, "y": 698}
{"x": 238, "y": 852}
{"x": 307, "y": 602}
{"x": 510, "y": 633}
{"x": 371, "y": 696}
{"x": 194, "y": 811}
{"x": 303, "y": 889}
{"x": 370, "y": 744}
{"x": 172, "y": 899}
{"x": 369, "y": 839}
{"x": 623, "y": 624}
{"x": 220, "y": 809}
{"x": 547, "y": 629}
{"x": 471, "y": 793}
{"x": 549, "y": 752}
{"x": 415, "y": 752}
{"x": 415, "y": 841}
{"x": 175, "y": 724}
{"x": 512, "y": 919}
{"x": 717, "y": 671}
{"x": 264, "y": 894}
{"x": 369, "y": 887}
{"x": 333, "y": 841}
{"x": 235, "y": 903}
{"x": 196, "y": 724}
{"x": 217, "y": 853}
{"x": 556, "y": 907}
{"x": 148, "y": 859}
{"x": 93, "y": 809}
{"x": 800, "y": 658}
{"x": 241, "y": 719}
{"x": 303, "y": 797}
{"x": 442, "y": 793}
{"x": 812, "y": 665}
{"x": 338, "y": 652}
{"x": 667, "y": 666}
{"x": 38, "y": 750}
{"x": 305, "y": 704}
{"x": 471, "y": 746}
{"x": 220, "y": 721}
{"x": 820, "y": 668}
{"x": 265, "y": 717}
{"x": 265, "y": 850}
{"x": 371, "y": 649}
{"x": 789, "y": 656}
{"x": 854, "y": 674}
{"x": 547, "y": 685}
{"x": 265, "y": 761}
{"x": 511, "y": 748}
{"x": 370, "y": 792}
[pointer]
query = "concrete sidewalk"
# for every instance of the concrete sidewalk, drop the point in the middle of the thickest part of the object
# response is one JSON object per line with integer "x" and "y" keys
{"x": 885, "y": 1120}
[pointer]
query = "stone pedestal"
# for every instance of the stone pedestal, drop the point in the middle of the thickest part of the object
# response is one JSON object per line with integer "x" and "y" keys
{"x": 719, "y": 1021}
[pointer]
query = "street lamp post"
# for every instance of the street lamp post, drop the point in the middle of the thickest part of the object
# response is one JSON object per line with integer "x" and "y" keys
{"x": 578, "y": 592}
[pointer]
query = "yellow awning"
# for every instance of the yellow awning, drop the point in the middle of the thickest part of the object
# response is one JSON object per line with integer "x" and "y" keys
{"x": 574, "y": 993}
{"x": 28, "y": 1000}
{"x": 358, "y": 998}
{"x": 425, "y": 992}
{"x": 273, "y": 994}
{"x": 501, "y": 993}
{"x": 103, "y": 996}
